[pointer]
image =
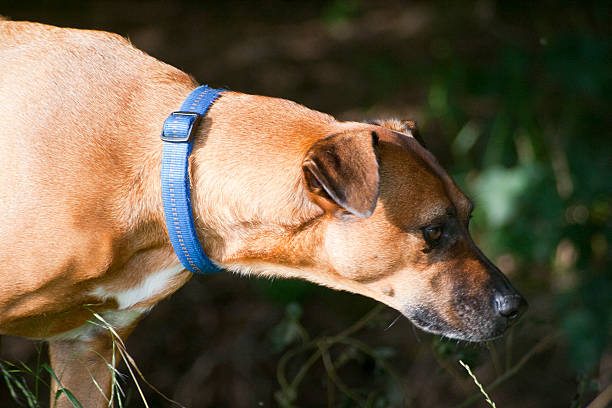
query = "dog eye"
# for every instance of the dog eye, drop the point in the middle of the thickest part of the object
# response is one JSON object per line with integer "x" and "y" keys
{"x": 432, "y": 234}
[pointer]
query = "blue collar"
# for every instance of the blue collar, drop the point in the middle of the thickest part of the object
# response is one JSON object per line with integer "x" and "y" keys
{"x": 178, "y": 132}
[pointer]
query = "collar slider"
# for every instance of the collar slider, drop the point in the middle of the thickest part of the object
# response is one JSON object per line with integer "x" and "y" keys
{"x": 179, "y": 127}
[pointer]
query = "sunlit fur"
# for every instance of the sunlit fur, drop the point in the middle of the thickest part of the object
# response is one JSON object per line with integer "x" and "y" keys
{"x": 81, "y": 113}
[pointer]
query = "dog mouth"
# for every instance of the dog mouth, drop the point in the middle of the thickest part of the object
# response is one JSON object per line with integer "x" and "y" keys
{"x": 429, "y": 321}
{"x": 473, "y": 327}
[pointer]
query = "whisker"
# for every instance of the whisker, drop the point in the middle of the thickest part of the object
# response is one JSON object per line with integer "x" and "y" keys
{"x": 393, "y": 322}
{"x": 416, "y": 333}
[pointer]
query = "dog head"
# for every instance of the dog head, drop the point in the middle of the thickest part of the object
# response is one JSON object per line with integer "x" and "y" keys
{"x": 362, "y": 207}
{"x": 397, "y": 229}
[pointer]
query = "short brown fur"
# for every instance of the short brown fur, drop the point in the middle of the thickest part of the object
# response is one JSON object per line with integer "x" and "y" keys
{"x": 80, "y": 122}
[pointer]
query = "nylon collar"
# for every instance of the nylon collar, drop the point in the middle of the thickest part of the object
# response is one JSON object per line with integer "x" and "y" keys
{"x": 177, "y": 134}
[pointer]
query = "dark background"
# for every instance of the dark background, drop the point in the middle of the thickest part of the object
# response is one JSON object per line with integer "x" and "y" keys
{"x": 512, "y": 97}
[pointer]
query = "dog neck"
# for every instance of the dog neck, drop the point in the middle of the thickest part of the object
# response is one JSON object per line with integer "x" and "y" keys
{"x": 248, "y": 197}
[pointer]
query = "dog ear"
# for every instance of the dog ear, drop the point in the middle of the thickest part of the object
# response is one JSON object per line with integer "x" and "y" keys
{"x": 342, "y": 171}
{"x": 403, "y": 126}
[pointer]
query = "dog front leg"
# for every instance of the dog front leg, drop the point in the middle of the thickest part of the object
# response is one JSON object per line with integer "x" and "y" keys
{"x": 84, "y": 369}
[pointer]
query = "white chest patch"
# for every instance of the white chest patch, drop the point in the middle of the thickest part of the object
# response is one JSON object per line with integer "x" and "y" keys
{"x": 151, "y": 286}
{"x": 125, "y": 315}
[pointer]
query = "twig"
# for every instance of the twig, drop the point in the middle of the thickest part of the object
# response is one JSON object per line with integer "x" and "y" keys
{"x": 450, "y": 369}
{"x": 480, "y": 387}
{"x": 364, "y": 348}
{"x": 359, "y": 323}
{"x": 37, "y": 377}
{"x": 289, "y": 389}
{"x": 539, "y": 347}
{"x": 304, "y": 369}
{"x": 603, "y": 399}
{"x": 331, "y": 393}
{"x": 494, "y": 358}
{"x": 331, "y": 373}
{"x": 280, "y": 368}
{"x": 509, "y": 342}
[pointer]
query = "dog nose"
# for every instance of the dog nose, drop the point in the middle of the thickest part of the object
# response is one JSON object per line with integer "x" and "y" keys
{"x": 510, "y": 306}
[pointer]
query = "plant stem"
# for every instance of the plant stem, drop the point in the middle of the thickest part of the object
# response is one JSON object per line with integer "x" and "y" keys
{"x": 603, "y": 399}
{"x": 480, "y": 387}
{"x": 539, "y": 347}
{"x": 494, "y": 358}
{"x": 331, "y": 373}
{"x": 322, "y": 344}
{"x": 359, "y": 323}
{"x": 509, "y": 341}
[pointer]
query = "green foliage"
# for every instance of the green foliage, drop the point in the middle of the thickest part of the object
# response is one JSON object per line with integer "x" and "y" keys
{"x": 539, "y": 165}
{"x": 338, "y": 354}
{"x": 285, "y": 290}
{"x": 289, "y": 330}
{"x": 16, "y": 379}
{"x": 62, "y": 390}
{"x": 338, "y": 11}
{"x": 17, "y": 385}
{"x": 449, "y": 352}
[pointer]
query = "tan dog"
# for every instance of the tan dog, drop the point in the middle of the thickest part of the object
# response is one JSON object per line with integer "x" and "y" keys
{"x": 278, "y": 190}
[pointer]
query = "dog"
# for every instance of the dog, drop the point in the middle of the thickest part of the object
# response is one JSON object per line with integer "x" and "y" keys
{"x": 277, "y": 190}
